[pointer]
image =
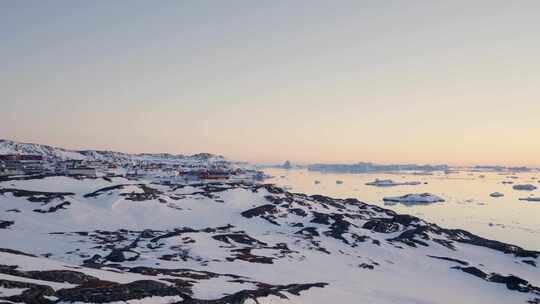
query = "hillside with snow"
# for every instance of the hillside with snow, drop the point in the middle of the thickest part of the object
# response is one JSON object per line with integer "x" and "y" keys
{"x": 55, "y": 154}
{"x": 105, "y": 240}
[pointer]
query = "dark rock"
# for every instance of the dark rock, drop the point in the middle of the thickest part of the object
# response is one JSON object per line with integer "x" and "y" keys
{"x": 59, "y": 276}
{"x": 147, "y": 234}
{"x": 53, "y": 208}
{"x": 321, "y": 218}
{"x": 308, "y": 231}
{"x": 17, "y": 252}
{"x": 103, "y": 190}
{"x": 34, "y": 293}
{"x": 116, "y": 255}
{"x": 261, "y": 210}
{"x": 366, "y": 266}
{"x": 473, "y": 270}
{"x": 381, "y": 226}
{"x": 449, "y": 259}
{"x": 512, "y": 282}
{"x": 245, "y": 254}
{"x": 463, "y": 236}
{"x": 117, "y": 292}
{"x": 298, "y": 211}
{"x": 36, "y": 196}
{"x": 6, "y": 224}
{"x": 530, "y": 262}
{"x": 240, "y": 238}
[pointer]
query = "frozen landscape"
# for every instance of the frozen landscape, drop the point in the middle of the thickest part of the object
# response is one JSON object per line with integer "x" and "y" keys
{"x": 483, "y": 202}
{"x": 269, "y": 152}
{"x": 141, "y": 238}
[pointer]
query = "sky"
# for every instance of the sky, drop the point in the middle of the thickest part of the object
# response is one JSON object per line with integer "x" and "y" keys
{"x": 454, "y": 82}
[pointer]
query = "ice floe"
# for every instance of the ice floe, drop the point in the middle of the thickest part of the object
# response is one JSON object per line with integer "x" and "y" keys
{"x": 418, "y": 198}
{"x": 525, "y": 187}
{"x": 390, "y": 183}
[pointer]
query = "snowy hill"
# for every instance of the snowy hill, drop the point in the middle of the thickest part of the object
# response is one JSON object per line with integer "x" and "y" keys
{"x": 54, "y": 153}
{"x": 97, "y": 240}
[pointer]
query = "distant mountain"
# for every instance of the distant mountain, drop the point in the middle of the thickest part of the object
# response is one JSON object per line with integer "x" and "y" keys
{"x": 55, "y": 153}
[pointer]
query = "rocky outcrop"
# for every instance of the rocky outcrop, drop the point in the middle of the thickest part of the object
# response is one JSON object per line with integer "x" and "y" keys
{"x": 6, "y": 224}
{"x": 59, "y": 276}
{"x": 512, "y": 282}
{"x": 260, "y": 211}
{"x": 33, "y": 293}
{"x": 36, "y": 196}
{"x": 100, "y": 292}
{"x": 52, "y": 209}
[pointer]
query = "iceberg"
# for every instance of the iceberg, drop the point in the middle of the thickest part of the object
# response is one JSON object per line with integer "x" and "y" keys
{"x": 524, "y": 187}
{"x": 530, "y": 199}
{"x": 390, "y": 183}
{"x": 411, "y": 199}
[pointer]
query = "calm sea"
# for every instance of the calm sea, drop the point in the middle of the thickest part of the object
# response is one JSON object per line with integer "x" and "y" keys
{"x": 468, "y": 203}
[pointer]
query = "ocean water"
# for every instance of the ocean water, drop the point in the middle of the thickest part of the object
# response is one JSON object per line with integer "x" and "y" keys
{"x": 468, "y": 204}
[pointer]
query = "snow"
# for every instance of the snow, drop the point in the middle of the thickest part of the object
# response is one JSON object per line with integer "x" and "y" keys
{"x": 54, "y": 285}
{"x": 403, "y": 275}
{"x": 8, "y": 292}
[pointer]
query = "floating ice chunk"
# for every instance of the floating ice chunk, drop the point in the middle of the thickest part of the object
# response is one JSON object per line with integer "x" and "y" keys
{"x": 410, "y": 199}
{"x": 525, "y": 187}
{"x": 390, "y": 183}
{"x": 530, "y": 199}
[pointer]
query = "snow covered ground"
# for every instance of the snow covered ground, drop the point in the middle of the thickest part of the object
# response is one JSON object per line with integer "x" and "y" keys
{"x": 103, "y": 241}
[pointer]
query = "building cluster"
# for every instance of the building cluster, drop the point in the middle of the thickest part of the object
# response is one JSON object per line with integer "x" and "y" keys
{"x": 182, "y": 171}
{"x": 29, "y": 164}
{"x": 17, "y": 164}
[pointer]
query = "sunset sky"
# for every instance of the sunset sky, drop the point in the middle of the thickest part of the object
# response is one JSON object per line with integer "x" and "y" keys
{"x": 453, "y": 82}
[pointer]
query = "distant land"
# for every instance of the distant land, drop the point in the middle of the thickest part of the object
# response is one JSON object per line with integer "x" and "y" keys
{"x": 369, "y": 167}
{"x": 363, "y": 167}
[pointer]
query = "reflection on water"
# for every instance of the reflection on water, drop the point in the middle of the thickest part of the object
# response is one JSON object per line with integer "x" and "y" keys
{"x": 468, "y": 204}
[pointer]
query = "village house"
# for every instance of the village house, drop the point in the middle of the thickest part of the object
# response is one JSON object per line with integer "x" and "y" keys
{"x": 14, "y": 164}
{"x": 82, "y": 171}
{"x": 214, "y": 175}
